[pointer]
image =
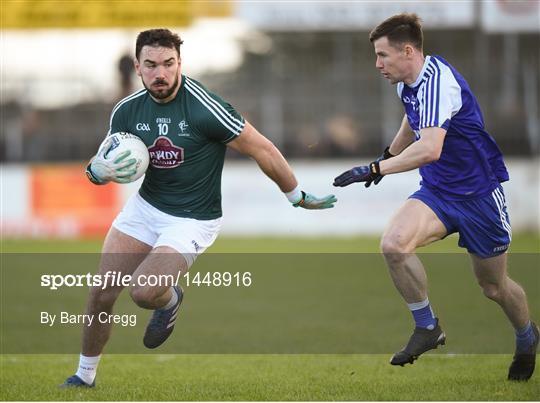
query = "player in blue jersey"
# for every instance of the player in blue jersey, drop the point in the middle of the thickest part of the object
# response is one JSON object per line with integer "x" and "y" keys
{"x": 462, "y": 169}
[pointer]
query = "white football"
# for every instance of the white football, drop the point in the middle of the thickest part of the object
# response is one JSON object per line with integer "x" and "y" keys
{"x": 123, "y": 141}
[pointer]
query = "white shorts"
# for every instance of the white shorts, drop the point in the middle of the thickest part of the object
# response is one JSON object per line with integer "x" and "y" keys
{"x": 144, "y": 222}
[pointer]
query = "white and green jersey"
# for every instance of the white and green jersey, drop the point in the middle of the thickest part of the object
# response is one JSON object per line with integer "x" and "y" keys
{"x": 186, "y": 140}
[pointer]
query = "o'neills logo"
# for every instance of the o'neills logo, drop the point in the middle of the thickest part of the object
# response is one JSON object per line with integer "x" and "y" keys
{"x": 164, "y": 154}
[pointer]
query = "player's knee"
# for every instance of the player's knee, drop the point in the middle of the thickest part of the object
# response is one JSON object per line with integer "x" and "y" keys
{"x": 143, "y": 296}
{"x": 393, "y": 246}
{"x": 492, "y": 291}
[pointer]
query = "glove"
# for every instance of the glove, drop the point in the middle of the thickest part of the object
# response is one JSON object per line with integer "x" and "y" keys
{"x": 102, "y": 170}
{"x": 365, "y": 173}
{"x": 310, "y": 202}
{"x": 386, "y": 155}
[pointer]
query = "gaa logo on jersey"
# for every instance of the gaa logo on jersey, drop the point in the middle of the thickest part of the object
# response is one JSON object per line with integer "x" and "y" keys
{"x": 164, "y": 154}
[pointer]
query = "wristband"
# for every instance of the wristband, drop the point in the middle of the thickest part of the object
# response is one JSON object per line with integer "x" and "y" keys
{"x": 90, "y": 175}
{"x": 387, "y": 154}
{"x": 295, "y": 195}
{"x": 375, "y": 168}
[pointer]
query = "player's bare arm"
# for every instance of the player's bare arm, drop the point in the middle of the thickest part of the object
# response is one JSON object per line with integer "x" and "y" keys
{"x": 253, "y": 144}
{"x": 268, "y": 157}
{"x": 427, "y": 149}
{"x": 404, "y": 138}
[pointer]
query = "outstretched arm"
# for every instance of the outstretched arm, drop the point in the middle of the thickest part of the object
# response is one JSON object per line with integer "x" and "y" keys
{"x": 268, "y": 157}
{"x": 427, "y": 149}
{"x": 253, "y": 144}
{"x": 403, "y": 139}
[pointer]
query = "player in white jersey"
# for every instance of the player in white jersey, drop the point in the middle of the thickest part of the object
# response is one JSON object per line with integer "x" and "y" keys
{"x": 462, "y": 169}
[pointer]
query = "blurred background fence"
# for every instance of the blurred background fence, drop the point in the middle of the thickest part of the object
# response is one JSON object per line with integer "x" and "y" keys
{"x": 302, "y": 73}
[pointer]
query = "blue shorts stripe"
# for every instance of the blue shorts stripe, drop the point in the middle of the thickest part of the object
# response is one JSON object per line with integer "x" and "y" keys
{"x": 483, "y": 224}
{"x": 499, "y": 200}
{"x": 501, "y": 203}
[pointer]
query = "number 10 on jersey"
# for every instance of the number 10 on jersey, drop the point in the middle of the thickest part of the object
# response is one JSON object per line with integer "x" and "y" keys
{"x": 163, "y": 129}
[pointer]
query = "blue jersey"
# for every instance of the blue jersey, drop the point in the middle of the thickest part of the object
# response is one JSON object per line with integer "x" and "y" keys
{"x": 471, "y": 164}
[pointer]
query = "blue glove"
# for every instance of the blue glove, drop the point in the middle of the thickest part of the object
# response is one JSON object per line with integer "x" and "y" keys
{"x": 310, "y": 202}
{"x": 386, "y": 155}
{"x": 365, "y": 173}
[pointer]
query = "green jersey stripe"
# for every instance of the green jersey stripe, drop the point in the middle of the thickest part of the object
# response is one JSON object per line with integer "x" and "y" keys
{"x": 220, "y": 109}
{"x": 122, "y": 102}
{"x": 212, "y": 101}
{"x": 235, "y": 130}
{"x": 218, "y": 113}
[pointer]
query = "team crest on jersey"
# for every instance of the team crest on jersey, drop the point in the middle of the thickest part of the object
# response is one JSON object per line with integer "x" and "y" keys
{"x": 183, "y": 126}
{"x": 411, "y": 100}
{"x": 164, "y": 154}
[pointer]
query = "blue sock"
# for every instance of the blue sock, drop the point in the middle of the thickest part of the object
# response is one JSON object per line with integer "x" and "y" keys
{"x": 423, "y": 314}
{"x": 524, "y": 338}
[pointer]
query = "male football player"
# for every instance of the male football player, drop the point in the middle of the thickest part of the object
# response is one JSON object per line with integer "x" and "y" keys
{"x": 462, "y": 169}
{"x": 176, "y": 215}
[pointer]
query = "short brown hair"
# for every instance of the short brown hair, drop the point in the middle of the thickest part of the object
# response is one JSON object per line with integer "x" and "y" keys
{"x": 158, "y": 37}
{"x": 400, "y": 29}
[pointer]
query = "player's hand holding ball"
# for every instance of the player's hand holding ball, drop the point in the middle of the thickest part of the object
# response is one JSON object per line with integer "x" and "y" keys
{"x": 121, "y": 158}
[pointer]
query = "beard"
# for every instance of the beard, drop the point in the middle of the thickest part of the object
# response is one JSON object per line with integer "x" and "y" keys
{"x": 162, "y": 93}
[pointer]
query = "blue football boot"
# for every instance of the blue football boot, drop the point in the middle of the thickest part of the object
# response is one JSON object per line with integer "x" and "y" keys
{"x": 76, "y": 382}
{"x": 162, "y": 323}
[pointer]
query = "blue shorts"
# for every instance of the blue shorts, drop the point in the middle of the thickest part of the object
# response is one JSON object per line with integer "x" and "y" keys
{"x": 483, "y": 224}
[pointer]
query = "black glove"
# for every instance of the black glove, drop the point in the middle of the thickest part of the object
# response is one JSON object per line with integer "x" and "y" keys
{"x": 365, "y": 173}
{"x": 386, "y": 155}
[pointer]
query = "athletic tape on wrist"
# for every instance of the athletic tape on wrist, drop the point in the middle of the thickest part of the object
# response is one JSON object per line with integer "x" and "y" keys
{"x": 295, "y": 195}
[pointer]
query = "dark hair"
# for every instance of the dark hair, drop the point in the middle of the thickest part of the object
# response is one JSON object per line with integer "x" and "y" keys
{"x": 400, "y": 29}
{"x": 157, "y": 37}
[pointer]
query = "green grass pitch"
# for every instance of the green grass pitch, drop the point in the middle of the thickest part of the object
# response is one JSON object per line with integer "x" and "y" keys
{"x": 278, "y": 377}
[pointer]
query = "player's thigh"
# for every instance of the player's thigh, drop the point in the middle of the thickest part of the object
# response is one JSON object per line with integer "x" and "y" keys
{"x": 490, "y": 270}
{"x": 120, "y": 257}
{"x": 180, "y": 242}
{"x": 129, "y": 239}
{"x": 122, "y": 253}
{"x": 161, "y": 269}
{"x": 413, "y": 225}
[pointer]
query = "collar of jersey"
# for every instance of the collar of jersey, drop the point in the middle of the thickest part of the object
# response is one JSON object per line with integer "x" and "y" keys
{"x": 422, "y": 74}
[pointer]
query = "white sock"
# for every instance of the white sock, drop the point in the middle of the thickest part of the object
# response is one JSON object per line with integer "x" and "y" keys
{"x": 418, "y": 305}
{"x": 88, "y": 368}
{"x": 172, "y": 302}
